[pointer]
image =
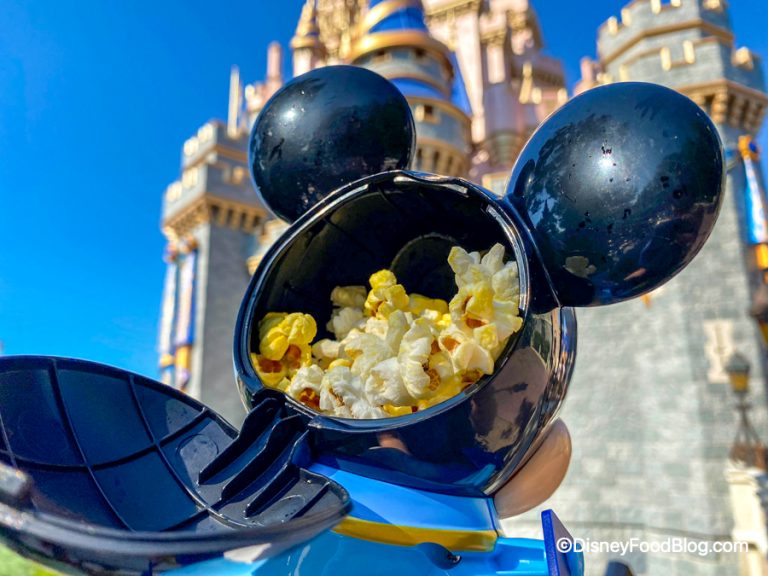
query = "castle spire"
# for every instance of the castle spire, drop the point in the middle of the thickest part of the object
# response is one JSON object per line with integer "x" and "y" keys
{"x": 394, "y": 41}
{"x": 234, "y": 114}
{"x": 308, "y": 50}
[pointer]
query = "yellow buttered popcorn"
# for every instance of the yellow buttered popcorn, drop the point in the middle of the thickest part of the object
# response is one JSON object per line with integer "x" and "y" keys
{"x": 282, "y": 335}
{"x": 284, "y": 347}
{"x": 272, "y": 372}
{"x": 386, "y": 295}
{"x": 420, "y": 305}
{"x": 393, "y": 353}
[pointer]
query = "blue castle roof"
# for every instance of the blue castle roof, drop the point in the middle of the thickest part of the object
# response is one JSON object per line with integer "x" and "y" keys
{"x": 395, "y": 16}
{"x": 410, "y": 18}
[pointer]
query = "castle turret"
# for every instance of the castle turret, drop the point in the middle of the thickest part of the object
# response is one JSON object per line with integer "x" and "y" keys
{"x": 308, "y": 50}
{"x": 688, "y": 46}
{"x": 210, "y": 213}
{"x": 393, "y": 40}
{"x": 257, "y": 94}
{"x": 213, "y": 222}
{"x": 511, "y": 84}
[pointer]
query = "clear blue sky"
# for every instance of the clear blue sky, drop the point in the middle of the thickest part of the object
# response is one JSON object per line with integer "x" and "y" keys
{"x": 96, "y": 99}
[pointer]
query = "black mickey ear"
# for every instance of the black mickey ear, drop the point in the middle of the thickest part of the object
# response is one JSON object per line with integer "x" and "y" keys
{"x": 324, "y": 129}
{"x": 621, "y": 187}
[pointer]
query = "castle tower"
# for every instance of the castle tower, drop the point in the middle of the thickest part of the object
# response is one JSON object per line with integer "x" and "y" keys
{"x": 209, "y": 215}
{"x": 213, "y": 222}
{"x": 511, "y": 84}
{"x": 308, "y": 51}
{"x": 393, "y": 40}
{"x": 650, "y": 409}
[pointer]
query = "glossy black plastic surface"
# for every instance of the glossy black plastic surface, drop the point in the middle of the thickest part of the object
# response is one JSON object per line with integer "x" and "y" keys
{"x": 621, "y": 188}
{"x": 119, "y": 473}
{"x": 473, "y": 442}
{"x": 326, "y": 128}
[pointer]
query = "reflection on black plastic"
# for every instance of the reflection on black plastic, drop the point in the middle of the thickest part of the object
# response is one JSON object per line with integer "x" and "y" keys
{"x": 114, "y": 464}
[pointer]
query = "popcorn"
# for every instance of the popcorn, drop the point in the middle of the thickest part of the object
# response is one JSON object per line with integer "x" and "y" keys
{"x": 385, "y": 385}
{"x": 306, "y": 385}
{"x": 395, "y": 353}
{"x": 271, "y": 372}
{"x": 287, "y": 335}
{"x": 489, "y": 291}
{"x": 349, "y": 296}
{"x": 284, "y": 346}
{"x": 325, "y": 351}
{"x": 465, "y": 353}
{"x": 413, "y": 359}
{"x": 419, "y": 305}
{"x": 365, "y": 351}
{"x": 386, "y": 295}
{"x": 344, "y": 320}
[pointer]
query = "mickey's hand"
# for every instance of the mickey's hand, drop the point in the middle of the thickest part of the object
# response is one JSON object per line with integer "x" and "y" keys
{"x": 538, "y": 479}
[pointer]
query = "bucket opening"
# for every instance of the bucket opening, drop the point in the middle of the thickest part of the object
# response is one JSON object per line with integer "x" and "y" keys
{"x": 405, "y": 225}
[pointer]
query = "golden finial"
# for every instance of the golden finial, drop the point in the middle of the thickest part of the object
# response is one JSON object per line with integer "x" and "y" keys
{"x": 307, "y": 31}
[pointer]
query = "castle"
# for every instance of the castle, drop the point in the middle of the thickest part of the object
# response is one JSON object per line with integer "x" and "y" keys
{"x": 649, "y": 407}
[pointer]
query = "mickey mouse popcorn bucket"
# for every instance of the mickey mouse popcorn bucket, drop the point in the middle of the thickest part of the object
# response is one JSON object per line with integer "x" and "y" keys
{"x": 116, "y": 474}
{"x": 609, "y": 199}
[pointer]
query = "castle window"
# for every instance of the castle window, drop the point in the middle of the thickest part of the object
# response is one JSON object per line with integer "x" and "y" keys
{"x": 708, "y": 102}
{"x": 689, "y": 52}
{"x": 238, "y": 175}
{"x": 426, "y": 113}
{"x": 666, "y": 58}
{"x": 382, "y": 56}
{"x": 237, "y": 220}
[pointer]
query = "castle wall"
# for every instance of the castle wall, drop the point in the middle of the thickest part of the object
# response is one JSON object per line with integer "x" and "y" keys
{"x": 226, "y": 278}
